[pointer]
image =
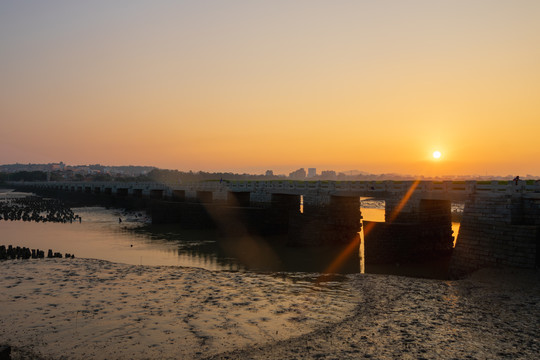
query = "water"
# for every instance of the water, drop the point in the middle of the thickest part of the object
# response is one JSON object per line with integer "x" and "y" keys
{"x": 100, "y": 235}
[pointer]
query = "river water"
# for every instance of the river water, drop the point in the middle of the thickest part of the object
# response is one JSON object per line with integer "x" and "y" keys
{"x": 101, "y": 235}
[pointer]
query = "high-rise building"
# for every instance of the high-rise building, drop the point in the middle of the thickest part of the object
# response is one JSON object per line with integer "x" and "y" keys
{"x": 311, "y": 172}
{"x": 299, "y": 174}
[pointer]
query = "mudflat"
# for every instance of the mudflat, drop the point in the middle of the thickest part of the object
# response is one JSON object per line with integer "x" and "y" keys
{"x": 85, "y": 308}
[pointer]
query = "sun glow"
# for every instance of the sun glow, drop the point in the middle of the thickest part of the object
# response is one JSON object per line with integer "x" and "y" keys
{"x": 437, "y": 154}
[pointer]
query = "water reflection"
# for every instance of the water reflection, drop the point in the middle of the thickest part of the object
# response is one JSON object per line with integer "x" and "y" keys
{"x": 250, "y": 253}
{"x": 101, "y": 236}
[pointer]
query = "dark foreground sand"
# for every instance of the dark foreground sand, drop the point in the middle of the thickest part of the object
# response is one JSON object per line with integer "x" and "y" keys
{"x": 81, "y": 308}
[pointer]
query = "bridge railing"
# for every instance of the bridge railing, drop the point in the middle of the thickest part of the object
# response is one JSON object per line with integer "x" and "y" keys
{"x": 507, "y": 187}
{"x": 532, "y": 186}
{"x": 498, "y": 187}
{"x": 442, "y": 188}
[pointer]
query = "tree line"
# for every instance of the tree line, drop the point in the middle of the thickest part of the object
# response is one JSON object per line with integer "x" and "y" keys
{"x": 156, "y": 175}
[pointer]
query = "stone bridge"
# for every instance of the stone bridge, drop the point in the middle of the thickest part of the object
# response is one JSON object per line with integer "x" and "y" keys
{"x": 500, "y": 225}
{"x": 314, "y": 192}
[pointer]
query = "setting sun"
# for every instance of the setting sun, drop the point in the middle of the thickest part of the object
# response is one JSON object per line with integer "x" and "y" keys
{"x": 232, "y": 82}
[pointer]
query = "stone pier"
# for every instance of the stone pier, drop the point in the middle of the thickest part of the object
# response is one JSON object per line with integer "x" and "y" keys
{"x": 498, "y": 231}
{"x": 420, "y": 230}
{"x": 337, "y": 223}
{"x": 500, "y": 226}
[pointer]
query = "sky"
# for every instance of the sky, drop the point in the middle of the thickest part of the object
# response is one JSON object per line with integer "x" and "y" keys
{"x": 247, "y": 86}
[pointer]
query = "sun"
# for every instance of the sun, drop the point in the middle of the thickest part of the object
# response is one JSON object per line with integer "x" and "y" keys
{"x": 437, "y": 154}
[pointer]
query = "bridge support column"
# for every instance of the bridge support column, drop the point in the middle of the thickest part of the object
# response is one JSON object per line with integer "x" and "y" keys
{"x": 156, "y": 194}
{"x": 205, "y": 196}
{"x": 281, "y": 207}
{"x": 238, "y": 198}
{"x": 336, "y": 223}
{"x": 497, "y": 231}
{"x": 179, "y": 195}
{"x": 418, "y": 231}
{"x": 313, "y": 202}
{"x": 122, "y": 192}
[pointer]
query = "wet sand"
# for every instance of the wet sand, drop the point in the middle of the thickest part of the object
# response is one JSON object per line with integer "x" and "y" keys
{"x": 82, "y": 308}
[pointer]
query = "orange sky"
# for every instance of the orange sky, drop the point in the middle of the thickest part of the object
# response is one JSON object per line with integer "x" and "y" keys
{"x": 248, "y": 86}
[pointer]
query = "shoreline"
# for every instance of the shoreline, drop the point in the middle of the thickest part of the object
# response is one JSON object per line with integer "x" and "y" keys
{"x": 80, "y": 308}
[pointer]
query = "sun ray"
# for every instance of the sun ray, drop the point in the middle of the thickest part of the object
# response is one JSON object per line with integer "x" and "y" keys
{"x": 404, "y": 200}
{"x": 354, "y": 243}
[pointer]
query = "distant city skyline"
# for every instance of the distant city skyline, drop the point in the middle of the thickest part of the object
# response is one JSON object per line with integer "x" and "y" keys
{"x": 248, "y": 86}
{"x": 298, "y": 174}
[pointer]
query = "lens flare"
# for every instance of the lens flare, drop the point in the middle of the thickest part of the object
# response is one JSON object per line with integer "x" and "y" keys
{"x": 353, "y": 245}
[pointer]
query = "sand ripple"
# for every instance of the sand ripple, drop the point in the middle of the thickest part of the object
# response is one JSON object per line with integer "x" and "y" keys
{"x": 84, "y": 308}
{"x": 80, "y": 308}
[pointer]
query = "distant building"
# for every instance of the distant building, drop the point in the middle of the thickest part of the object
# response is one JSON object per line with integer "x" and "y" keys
{"x": 311, "y": 172}
{"x": 299, "y": 174}
{"x": 57, "y": 167}
{"x": 269, "y": 173}
{"x": 328, "y": 175}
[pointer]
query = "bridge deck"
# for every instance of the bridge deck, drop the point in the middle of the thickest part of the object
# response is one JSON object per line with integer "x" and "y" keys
{"x": 427, "y": 189}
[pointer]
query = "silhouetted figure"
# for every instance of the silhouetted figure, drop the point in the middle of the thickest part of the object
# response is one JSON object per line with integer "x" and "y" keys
{"x": 516, "y": 180}
{"x": 119, "y": 220}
